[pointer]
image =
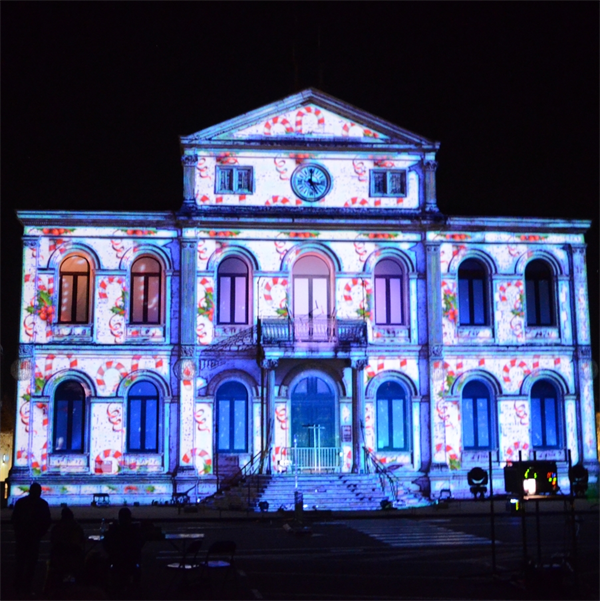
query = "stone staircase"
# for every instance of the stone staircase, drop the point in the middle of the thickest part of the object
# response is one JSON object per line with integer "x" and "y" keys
{"x": 336, "y": 492}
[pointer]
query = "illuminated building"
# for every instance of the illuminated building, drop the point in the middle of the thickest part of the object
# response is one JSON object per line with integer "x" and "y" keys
{"x": 308, "y": 290}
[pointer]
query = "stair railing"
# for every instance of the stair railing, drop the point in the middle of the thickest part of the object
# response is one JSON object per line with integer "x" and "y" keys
{"x": 374, "y": 465}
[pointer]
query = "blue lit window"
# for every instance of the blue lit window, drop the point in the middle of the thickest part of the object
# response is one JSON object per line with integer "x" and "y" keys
{"x": 538, "y": 294}
{"x": 69, "y": 418}
{"x": 232, "y": 179}
{"x": 476, "y": 416}
{"x": 232, "y": 411}
{"x": 388, "y": 293}
{"x": 142, "y": 418}
{"x": 545, "y": 433}
{"x": 74, "y": 290}
{"x": 233, "y": 292}
{"x": 472, "y": 297}
{"x": 392, "y": 431}
{"x": 146, "y": 291}
{"x": 387, "y": 182}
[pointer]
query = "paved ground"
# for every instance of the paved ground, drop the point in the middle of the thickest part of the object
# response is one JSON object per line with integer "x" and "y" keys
{"x": 428, "y": 553}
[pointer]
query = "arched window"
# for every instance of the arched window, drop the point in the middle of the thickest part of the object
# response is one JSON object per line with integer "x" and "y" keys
{"x": 69, "y": 417}
{"x": 74, "y": 290}
{"x": 472, "y": 294}
{"x": 538, "y": 294}
{"x": 146, "y": 291}
{"x": 545, "y": 422}
{"x": 232, "y": 420}
{"x": 142, "y": 418}
{"x": 388, "y": 293}
{"x": 311, "y": 287}
{"x": 233, "y": 292}
{"x": 476, "y": 416}
{"x": 392, "y": 430}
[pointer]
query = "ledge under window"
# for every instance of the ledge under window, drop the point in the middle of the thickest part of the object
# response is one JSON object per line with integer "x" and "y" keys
{"x": 71, "y": 331}
{"x": 145, "y": 332}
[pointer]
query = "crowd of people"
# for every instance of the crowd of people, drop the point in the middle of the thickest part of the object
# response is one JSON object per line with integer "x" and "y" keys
{"x": 70, "y": 573}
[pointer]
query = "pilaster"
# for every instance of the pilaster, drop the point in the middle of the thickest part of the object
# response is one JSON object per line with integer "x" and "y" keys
{"x": 358, "y": 414}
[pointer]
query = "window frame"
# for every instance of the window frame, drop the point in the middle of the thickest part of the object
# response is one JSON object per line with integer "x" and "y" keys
{"x": 537, "y": 301}
{"x": 145, "y": 276}
{"x": 235, "y": 170}
{"x": 389, "y": 173}
{"x": 232, "y": 413}
{"x": 76, "y": 275}
{"x": 471, "y": 293}
{"x": 388, "y": 300}
{"x": 390, "y": 421}
{"x": 143, "y": 412}
{"x": 232, "y": 293}
{"x": 68, "y": 450}
{"x": 490, "y": 417}
{"x": 558, "y": 404}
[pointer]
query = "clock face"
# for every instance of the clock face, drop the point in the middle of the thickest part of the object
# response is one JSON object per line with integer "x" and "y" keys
{"x": 311, "y": 182}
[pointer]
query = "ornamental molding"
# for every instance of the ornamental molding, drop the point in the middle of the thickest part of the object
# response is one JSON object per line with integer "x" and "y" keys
{"x": 189, "y": 160}
{"x": 435, "y": 350}
{"x": 187, "y": 350}
{"x": 359, "y": 364}
{"x": 430, "y": 165}
{"x": 269, "y": 363}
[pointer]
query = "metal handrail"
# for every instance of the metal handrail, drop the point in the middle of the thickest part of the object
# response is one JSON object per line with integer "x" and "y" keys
{"x": 383, "y": 472}
{"x": 316, "y": 329}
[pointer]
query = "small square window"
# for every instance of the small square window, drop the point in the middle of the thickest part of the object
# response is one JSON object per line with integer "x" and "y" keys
{"x": 387, "y": 182}
{"x": 234, "y": 180}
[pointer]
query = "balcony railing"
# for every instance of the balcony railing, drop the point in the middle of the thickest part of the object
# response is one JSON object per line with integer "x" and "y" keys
{"x": 317, "y": 329}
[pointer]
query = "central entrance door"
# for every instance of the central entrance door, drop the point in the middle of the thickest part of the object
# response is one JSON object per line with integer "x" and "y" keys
{"x": 311, "y": 298}
{"x": 314, "y": 425}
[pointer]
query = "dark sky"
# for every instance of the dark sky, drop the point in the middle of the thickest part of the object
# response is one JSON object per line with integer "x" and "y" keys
{"x": 95, "y": 95}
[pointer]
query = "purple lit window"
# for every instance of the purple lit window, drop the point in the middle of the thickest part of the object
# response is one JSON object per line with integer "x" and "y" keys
{"x": 69, "y": 418}
{"x": 388, "y": 293}
{"x": 145, "y": 291}
{"x": 74, "y": 290}
{"x": 233, "y": 292}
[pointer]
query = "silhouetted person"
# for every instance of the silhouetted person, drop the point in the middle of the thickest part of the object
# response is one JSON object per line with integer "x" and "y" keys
{"x": 67, "y": 552}
{"x": 31, "y": 519}
{"x": 123, "y": 542}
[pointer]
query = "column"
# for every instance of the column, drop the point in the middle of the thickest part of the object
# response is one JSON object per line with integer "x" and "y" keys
{"x": 186, "y": 365}
{"x": 586, "y": 425}
{"x": 429, "y": 167}
{"x": 189, "y": 162}
{"x": 358, "y": 415}
{"x": 435, "y": 354}
{"x": 269, "y": 410}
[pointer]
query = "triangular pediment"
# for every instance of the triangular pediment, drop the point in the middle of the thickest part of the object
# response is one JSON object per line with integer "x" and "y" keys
{"x": 308, "y": 115}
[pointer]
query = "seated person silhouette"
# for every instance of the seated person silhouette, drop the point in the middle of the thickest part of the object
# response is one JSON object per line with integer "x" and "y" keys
{"x": 67, "y": 541}
{"x": 123, "y": 542}
{"x": 478, "y": 479}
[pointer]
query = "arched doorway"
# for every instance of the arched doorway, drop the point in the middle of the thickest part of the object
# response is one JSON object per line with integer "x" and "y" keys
{"x": 314, "y": 425}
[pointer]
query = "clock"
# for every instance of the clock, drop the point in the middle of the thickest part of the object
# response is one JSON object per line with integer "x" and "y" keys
{"x": 311, "y": 182}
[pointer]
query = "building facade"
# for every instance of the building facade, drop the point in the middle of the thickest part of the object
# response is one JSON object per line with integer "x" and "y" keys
{"x": 308, "y": 307}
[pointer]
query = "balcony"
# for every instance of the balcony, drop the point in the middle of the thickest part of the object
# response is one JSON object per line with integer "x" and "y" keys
{"x": 325, "y": 330}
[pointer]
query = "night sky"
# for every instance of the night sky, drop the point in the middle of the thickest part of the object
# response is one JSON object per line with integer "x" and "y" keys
{"x": 95, "y": 95}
